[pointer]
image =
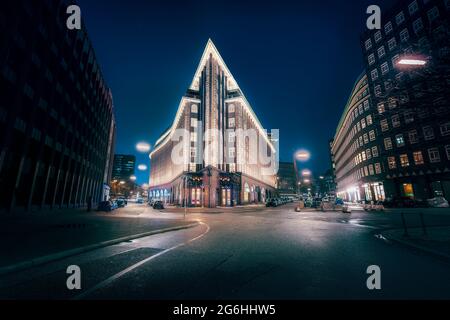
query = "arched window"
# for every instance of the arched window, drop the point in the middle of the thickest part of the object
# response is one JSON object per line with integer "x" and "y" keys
{"x": 246, "y": 192}
{"x": 194, "y": 108}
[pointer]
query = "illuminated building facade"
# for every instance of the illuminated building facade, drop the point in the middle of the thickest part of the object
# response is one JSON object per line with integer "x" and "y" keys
{"x": 219, "y": 166}
{"x": 57, "y": 126}
{"x": 356, "y": 150}
{"x": 412, "y": 103}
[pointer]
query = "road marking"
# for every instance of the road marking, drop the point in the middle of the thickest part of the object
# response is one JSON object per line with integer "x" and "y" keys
{"x": 113, "y": 278}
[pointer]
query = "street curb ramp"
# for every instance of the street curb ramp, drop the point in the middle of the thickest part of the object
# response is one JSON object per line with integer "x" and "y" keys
{"x": 72, "y": 252}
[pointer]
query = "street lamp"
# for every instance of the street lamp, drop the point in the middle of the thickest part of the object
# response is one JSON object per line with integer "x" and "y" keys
{"x": 302, "y": 155}
{"x": 143, "y": 147}
{"x": 412, "y": 62}
{"x": 142, "y": 167}
{"x": 306, "y": 173}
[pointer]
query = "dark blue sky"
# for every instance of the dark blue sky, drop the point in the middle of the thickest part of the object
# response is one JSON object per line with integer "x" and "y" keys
{"x": 295, "y": 61}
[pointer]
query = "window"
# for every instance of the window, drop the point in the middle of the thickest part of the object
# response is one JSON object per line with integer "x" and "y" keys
{"x": 231, "y": 108}
{"x": 418, "y": 158}
{"x": 433, "y": 14}
{"x": 377, "y": 168}
{"x": 417, "y": 25}
{"x": 396, "y": 121}
{"x": 388, "y": 28}
{"x": 194, "y": 108}
{"x": 388, "y": 143}
{"x": 194, "y": 123}
{"x": 447, "y": 149}
{"x": 366, "y": 138}
{"x": 434, "y": 155}
{"x": 392, "y": 43}
{"x": 378, "y": 91}
{"x": 371, "y": 59}
{"x": 363, "y": 156}
{"x": 388, "y": 85}
{"x": 374, "y": 74}
{"x": 381, "y": 52}
{"x": 400, "y": 140}
{"x": 381, "y": 108}
{"x": 384, "y": 68}
{"x": 413, "y": 137}
{"x": 404, "y": 160}
{"x": 445, "y": 129}
{"x": 371, "y": 170}
{"x": 428, "y": 133}
{"x": 409, "y": 117}
{"x": 392, "y": 163}
{"x": 378, "y": 36}
{"x": 231, "y": 122}
{"x": 194, "y": 136}
{"x": 363, "y": 123}
{"x": 375, "y": 152}
{"x": 369, "y": 154}
{"x": 360, "y": 108}
{"x": 369, "y": 120}
{"x": 368, "y": 44}
{"x": 384, "y": 125}
{"x": 232, "y": 153}
{"x": 404, "y": 35}
{"x": 400, "y": 18}
{"x": 366, "y": 105}
{"x": 392, "y": 103}
{"x": 372, "y": 135}
{"x": 413, "y": 8}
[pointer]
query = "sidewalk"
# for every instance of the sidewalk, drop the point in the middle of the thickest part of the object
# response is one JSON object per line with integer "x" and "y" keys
{"x": 218, "y": 210}
{"x": 26, "y": 238}
{"x": 436, "y": 242}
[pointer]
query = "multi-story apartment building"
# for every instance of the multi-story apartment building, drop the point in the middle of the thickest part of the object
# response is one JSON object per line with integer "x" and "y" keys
{"x": 355, "y": 149}
{"x": 124, "y": 167}
{"x": 227, "y": 158}
{"x": 412, "y": 101}
{"x": 287, "y": 183}
{"x": 56, "y": 112}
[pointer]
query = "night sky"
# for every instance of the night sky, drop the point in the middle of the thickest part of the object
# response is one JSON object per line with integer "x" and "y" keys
{"x": 295, "y": 62}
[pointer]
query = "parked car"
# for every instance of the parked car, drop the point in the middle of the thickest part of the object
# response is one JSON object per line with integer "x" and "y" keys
{"x": 271, "y": 203}
{"x": 158, "y": 205}
{"x": 139, "y": 200}
{"x": 438, "y": 202}
{"x": 121, "y": 203}
{"x": 106, "y": 206}
{"x": 400, "y": 202}
{"x": 151, "y": 203}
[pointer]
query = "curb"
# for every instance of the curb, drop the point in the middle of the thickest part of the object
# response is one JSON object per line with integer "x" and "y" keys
{"x": 67, "y": 253}
{"x": 419, "y": 248}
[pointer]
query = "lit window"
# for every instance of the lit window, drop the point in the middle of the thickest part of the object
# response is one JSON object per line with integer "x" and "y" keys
{"x": 231, "y": 122}
{"x": 388, "y": 143}
{"x": 428, "y": 133}
{"x": 366, "y": 138}
{"x": 392, "y": 163}
{"x": 194, "y": 123}
{"x": 363, "y": 123}
{"x": 381, "y": 108}
{"x": 194, "y": 108}
{"x": 372, "y": 135}
{"x": 400, "y": 140}
{"x": 377, "y": 168}
{"x": 369, "y": 120}
{"x": 404, "y": 160}
{"x": 193, "y": 136}
{"x": 418, "y": 158}
{"x": 371, "y": 170}
{"x": 384, "y": 125}
{"x": 445, "y": 129}
{"x": 375, "y": 152}
{"x": 434, "y": 155}
{"x": 231, "y": 108}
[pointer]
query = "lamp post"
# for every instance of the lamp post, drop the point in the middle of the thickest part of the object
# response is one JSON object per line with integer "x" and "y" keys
{"x": 302, "y": 156}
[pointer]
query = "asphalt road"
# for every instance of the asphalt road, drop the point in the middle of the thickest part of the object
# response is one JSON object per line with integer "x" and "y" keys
{"x": 266, "y": 254}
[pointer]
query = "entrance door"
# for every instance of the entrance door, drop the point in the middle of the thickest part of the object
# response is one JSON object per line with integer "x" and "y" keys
{"x": 408, "y": 190}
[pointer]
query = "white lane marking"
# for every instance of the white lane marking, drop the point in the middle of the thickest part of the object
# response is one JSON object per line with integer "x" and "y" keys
{"x": 113, "y": 278}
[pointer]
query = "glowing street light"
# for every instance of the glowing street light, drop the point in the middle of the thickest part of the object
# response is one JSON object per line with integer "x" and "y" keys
{"x": 142, "y": 167}
{"x": 412, "y": 62}
{"x": 306, "y": 173}
{"x": 143, "y": 147}
{"x": 302, "y": 155}
{"x": 122, "y": 182}
{"x": 133, "y": 178}
{"x": 306, "y": 181}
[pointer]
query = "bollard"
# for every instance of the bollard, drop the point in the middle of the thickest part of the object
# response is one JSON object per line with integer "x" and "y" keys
{"x": 405, "y": 227}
